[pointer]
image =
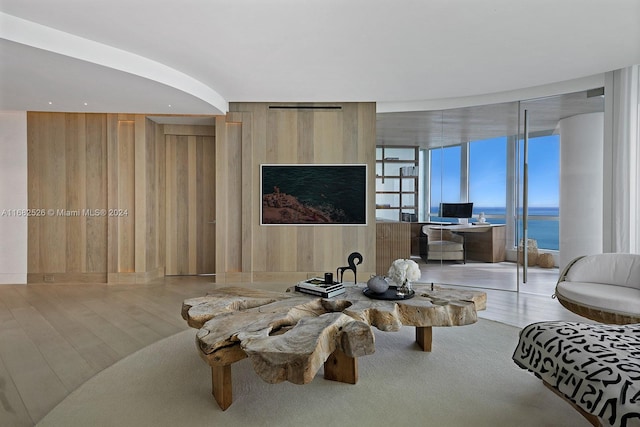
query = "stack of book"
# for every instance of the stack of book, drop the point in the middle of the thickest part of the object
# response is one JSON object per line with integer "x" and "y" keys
{"x": 317, "y": 286}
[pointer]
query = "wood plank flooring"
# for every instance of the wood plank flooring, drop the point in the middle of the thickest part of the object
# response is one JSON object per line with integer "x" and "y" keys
{"x": 54, "y": 337}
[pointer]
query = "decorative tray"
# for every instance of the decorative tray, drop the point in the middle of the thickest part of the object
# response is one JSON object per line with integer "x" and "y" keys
{"x": 389, "y": 295}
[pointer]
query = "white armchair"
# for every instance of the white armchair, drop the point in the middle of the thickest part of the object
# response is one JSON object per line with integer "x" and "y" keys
{"x": 442, "y": 245}
{"x": 602, "y": 287}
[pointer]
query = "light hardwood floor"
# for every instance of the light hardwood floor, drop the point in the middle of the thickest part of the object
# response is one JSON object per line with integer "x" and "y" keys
{"x": 54, "y": 337}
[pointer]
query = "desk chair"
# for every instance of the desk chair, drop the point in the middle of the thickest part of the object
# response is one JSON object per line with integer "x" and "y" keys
{"x": 442, "y": 245}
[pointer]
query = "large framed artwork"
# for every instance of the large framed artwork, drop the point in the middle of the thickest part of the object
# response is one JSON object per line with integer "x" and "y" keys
{"x": 313, "y": 194}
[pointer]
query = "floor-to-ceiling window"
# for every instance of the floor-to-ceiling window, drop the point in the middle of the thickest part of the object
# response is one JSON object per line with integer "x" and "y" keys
{"x": 477, "y": 172}
{"x": 474, "y": 154}
{"x": 488, "y": 178}
{"x": 445, "y": 171}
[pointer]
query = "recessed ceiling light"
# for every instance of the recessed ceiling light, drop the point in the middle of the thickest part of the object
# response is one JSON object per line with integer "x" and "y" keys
{"x": 50, "y": 102}
{"x": 169, "y": 105}
{"x": 86, "y": 103}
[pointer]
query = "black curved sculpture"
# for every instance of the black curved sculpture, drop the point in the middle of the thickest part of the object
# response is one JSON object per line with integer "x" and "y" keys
{"x": 351, "y": 260}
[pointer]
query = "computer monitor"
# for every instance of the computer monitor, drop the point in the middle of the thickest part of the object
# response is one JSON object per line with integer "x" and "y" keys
{"x": 456, "y": 210}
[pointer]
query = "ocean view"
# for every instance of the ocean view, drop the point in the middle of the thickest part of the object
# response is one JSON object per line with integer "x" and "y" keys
{"x": 545, "y": 232}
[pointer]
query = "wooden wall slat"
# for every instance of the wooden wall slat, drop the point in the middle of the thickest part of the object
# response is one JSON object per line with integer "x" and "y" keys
{"x": 96, "y": 192}
{"x": 36, "y": 128}
{"x": 75, "y": 151}
{"x": 393, "y": 242}
{"x": 160, "y": 217}
{"x": 208, "y": 195}
{"x": 171, "y": 206}
{"x": 193, "y": 225}
{"x": 112, "y": 193}
{"x": 234, "y": 198}
{"x": 140, "y": 193}
{"x": 205, "y": 196}
{"x": 222, "y": 147}
{"x": 248, "y": 175}
{"x": 151, "y": 200}
{"x": 54, "y": 197}
{"x": 126, "y": 198}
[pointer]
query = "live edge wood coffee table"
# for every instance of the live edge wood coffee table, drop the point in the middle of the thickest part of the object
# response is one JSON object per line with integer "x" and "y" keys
{"x": 288, "y": 336}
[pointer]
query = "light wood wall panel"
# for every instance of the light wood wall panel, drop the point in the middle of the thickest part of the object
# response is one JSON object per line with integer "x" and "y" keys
{"x": 99, "y": 176}
{"x": 206, "y": 196}
{"x": 142, "y": 190}
{"x": 234, "y": 198}
{"x": 190, "y": 202}
{"x": 66, "y": 166}
{"x": 124, "y": 199}
{"x": 393, "y": 242}
{"x": 96, "y": 226}
{"x": 154, "y": 230}
{"x": 123, "y": 163}
{"x": 278, "y": 133}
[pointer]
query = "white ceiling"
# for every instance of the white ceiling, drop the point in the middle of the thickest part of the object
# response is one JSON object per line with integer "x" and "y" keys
{"x": 429, "y": 129}
{"x": 196, "y": 56}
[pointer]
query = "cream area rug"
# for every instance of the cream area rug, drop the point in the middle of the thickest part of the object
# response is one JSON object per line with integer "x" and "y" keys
{"x": 468, "y": 379}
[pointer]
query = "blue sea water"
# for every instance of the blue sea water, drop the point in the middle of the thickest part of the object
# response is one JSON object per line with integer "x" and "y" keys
{"x": 545, "y": 232}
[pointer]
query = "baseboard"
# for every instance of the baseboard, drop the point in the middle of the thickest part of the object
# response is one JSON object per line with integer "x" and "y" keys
{"x": 66, "y": 278}
{"x": 137, "y": 277}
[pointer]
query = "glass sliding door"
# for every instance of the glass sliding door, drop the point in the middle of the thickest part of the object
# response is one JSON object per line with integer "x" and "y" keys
{"x": 472, "y": 167}
{"x": 537, "y": 212}
{"x": 541, "y": 165}
{"x": 477, "y": 155}
{"x": 446, "y": 173}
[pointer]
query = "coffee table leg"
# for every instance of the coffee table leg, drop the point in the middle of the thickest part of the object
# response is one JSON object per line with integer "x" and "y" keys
{"x": 424, "y": 337}
{"x": 221, "y": 385}
{"x": 340, "y": 367}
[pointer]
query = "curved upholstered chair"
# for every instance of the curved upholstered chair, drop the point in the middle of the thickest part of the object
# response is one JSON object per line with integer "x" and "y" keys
{"x": 443, "y": 245}
{"x": 602, "y": 287}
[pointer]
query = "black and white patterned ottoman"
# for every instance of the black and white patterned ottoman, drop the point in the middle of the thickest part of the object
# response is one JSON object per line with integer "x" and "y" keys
{"x": 594, "y": 366}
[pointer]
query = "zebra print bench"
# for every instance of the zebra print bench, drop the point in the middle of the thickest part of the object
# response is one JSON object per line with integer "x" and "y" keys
{"x": 593, "y": 366}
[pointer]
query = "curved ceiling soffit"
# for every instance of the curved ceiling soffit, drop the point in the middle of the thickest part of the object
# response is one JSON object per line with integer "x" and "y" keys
{"x": 42, "y": 37}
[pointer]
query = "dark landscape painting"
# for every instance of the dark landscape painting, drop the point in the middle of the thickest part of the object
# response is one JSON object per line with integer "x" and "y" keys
{"x": 314, "y": 194}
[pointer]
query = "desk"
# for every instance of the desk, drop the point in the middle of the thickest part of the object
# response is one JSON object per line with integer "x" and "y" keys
{"x": 481, "y": 242}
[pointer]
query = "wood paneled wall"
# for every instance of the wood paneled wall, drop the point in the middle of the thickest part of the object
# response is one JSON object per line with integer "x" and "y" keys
{"x": 67, "y": 160}
{"x": 116, "y": 163}
{"x": 258, "y": 133}
{"x": 96, "y": 178}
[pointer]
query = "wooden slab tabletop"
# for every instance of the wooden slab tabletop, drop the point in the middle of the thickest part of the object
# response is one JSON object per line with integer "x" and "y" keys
{"x": 289, "y": 335}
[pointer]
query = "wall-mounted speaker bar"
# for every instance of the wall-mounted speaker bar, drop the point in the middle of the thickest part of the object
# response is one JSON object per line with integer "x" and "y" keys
{"x": 592, "y": 93}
